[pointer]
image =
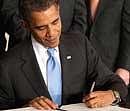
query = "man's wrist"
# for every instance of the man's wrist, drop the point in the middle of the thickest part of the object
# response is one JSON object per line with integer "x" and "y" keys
{"x": 117, "y": 97}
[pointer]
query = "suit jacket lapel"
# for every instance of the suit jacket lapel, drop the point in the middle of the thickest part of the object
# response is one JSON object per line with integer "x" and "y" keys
{"x": 66, "y": 59}
{"x": 32, "y": 71}
{"x": 63, "y": 52}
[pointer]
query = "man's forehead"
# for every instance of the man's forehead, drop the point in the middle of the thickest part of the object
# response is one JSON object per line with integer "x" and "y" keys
{"x": 53, "y": 10}
{"x": 45, "y": 17}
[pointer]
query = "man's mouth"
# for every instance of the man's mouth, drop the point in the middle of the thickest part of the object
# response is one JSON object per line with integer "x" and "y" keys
{"x": 51, "y": 40}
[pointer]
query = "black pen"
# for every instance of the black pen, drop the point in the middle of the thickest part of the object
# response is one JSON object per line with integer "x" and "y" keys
{"x": 60, "y": 109}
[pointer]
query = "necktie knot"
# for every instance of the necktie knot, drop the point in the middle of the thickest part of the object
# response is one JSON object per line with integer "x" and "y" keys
{"x": 50, "y": 51}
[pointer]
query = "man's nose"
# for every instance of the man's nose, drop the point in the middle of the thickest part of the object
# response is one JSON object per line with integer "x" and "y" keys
{"x": 50, "y": 31}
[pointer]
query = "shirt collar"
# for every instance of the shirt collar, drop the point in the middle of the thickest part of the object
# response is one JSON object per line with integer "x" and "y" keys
{"x": 40, "y": 48}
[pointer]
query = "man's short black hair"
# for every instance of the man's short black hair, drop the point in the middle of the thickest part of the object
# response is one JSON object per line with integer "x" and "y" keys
{"x": 27, "y": 6}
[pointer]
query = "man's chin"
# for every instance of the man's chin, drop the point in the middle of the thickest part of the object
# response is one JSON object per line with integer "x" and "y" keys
{"x": 53, "y": 45}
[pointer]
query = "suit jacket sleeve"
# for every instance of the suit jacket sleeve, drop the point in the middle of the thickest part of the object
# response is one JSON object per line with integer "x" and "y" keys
{"x": 79, "y": 22}
{"x": 6, "y": 90}
{"x": 104, "y": 78}
{"x": 124, "y": 49}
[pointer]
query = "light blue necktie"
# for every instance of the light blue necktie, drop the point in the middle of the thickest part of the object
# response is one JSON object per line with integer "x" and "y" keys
{"x": 54, "y": 77}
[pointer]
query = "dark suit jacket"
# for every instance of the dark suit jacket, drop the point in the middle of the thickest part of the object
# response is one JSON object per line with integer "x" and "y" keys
{"x": 110, "y": 33}
{"x": 21, "y": 79}
{"x": 10, "y": 22}
{"x": 73, "y": 15}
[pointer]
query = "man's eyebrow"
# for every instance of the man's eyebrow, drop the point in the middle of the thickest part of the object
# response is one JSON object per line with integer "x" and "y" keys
{"x": 55, "y": 20}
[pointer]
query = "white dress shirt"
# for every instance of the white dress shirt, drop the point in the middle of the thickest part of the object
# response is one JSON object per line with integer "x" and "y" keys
{"x": 42, "y": 56}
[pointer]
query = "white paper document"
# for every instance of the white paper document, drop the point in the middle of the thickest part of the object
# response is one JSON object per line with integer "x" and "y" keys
{"x": 23, "y": 109}
{"x": 76, "y": 107}
{"x": 82, "y": 107}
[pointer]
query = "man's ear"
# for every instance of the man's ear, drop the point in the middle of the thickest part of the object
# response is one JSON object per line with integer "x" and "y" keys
{"x": 24, "y": 24}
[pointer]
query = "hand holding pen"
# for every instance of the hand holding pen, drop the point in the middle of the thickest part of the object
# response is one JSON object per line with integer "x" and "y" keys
{"x": 91, "y": 90}
{"x": 98, "y": 98}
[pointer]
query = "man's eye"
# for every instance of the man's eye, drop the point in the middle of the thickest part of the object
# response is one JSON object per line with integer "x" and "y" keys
{"x": 40, "y": 28}
{"x": 55, "y": 22}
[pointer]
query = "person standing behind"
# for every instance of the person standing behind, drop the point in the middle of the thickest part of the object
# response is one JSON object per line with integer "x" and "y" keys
{"x": 109, "y": 33}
